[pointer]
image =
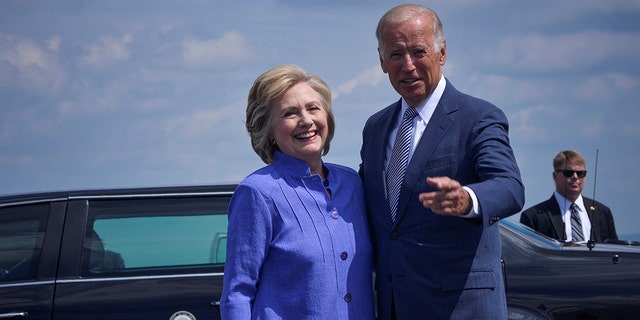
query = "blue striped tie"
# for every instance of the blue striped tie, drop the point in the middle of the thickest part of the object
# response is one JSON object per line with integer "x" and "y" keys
{"x": 399, "y": 160}
{"x": 576, "y": 225}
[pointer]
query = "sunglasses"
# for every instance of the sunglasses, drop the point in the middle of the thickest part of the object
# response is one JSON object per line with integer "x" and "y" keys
{"x": 569, "y": 173}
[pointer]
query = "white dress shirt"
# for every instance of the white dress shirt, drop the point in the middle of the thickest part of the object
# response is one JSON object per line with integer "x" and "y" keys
{"x": 565, "y": 208}
{"x": 425, "y": 111}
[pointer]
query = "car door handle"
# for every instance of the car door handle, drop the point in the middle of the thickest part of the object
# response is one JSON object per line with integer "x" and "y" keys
{"x": 14, "y": 315}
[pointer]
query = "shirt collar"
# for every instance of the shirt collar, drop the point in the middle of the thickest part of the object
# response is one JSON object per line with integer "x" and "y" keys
{"x": 426, "y": 108}
{"x": 292, "y": 166}
{"x": 565, "y": 204}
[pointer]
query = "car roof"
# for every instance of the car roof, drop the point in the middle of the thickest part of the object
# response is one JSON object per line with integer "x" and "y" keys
{"x": 223, "y": 189}
{"x": 516, "y": 229}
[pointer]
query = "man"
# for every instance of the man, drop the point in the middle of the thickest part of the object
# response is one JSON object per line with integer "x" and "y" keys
{"x": 553, "y": 217}
{"x": 437, "y": 243}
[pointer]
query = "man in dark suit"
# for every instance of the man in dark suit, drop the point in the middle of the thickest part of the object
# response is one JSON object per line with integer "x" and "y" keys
{"x": 438, "y": 245}
{"x": 553, "y": 217}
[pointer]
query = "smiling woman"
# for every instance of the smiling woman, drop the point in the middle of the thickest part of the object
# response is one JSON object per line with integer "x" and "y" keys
{"x": 300, "y": 125}
{"x": 279, "y": 94}
{"x": 297, "y": 227}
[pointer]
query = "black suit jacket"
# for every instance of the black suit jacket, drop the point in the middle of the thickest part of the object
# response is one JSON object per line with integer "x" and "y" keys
{"x": 546, "y": 218}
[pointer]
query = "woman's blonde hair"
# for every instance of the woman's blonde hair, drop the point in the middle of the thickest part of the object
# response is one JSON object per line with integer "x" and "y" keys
{"x": 266, "y": 90}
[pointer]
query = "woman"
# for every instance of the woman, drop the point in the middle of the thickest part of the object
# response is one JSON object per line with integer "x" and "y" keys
{"x": 298, "y": 244}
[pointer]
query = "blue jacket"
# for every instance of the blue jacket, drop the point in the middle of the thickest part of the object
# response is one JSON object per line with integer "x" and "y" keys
{"x": 295, "y": 253}
{"x": 440, "y": 267}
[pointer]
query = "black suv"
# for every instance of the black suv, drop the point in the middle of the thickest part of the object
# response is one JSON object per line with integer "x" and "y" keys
{"x": 120, "y": 254}
{"x": 159, "y": 253}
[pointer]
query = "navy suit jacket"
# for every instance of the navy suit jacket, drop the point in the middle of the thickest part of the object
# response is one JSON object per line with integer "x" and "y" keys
{"x": 429, "y": 264}
{"x": 546, "y": 218}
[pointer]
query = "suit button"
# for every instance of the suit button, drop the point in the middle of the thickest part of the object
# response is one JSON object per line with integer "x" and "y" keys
{"x": 347, "y": 297}
{"x": 344, "y": 255}
{"x": 394, "y": 235}
{"x": 335, "y": 214}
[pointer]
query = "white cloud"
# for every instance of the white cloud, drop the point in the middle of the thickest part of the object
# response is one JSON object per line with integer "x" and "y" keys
{"x": 507, "y": 92}
{"x": 26, "y": 53}
{"x": 203, "y": 122}
{"x": 106, "y": 50}
{"x": 229, "y": 49}
{"x": 370, "y": 77}
{"x": 605, "y": 88}
{"x": 595, "y": 88}
{"x": 524, "y": 124}
{"x": 26, "y": 65}
{"x": 623, "y": 81}
{"x": 545, "y": 53}
{"x": 54, "y": 43}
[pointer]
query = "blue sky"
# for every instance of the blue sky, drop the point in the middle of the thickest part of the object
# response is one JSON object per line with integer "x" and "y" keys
{"x": 101, "y": 94}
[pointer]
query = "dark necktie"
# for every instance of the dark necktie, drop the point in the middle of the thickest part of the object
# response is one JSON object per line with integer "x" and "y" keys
{"x": 399, "y": 160}
{"x": 576, "y": 225}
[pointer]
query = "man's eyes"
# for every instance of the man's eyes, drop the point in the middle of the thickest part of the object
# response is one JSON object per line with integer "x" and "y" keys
{"x": 416, "y": 53}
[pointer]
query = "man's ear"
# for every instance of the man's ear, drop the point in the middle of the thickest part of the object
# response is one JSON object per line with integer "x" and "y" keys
{"x": 384, "y": 69}
{"x": 443, "y": 53}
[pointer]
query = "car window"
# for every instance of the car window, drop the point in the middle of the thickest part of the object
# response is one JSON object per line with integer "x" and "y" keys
{"x": 167, "y": 235}
{"x": 21, "y": 238}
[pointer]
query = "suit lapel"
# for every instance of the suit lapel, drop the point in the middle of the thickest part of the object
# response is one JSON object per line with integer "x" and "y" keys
{"x": 378, "y": 144}
{"x": 591, "y": 208}
{"x": 555, "y": 217}
{"x": 434, "y": 133}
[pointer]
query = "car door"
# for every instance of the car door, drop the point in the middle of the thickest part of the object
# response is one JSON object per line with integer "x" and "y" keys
{"x": 548, "y": 279}
{"x": 159, "y": 257}
{"x": 30, "y": 234}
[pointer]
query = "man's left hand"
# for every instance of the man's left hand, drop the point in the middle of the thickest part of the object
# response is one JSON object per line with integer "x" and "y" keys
{"x": 450, "y": 199}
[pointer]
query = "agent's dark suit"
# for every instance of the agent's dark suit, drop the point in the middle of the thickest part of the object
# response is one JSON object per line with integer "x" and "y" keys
{"x": 546, "y": 218}
{"x": 430, "y": 263}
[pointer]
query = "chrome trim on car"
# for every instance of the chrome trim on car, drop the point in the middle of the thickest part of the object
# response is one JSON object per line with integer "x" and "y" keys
{"x": 151, "y": 195}
{"x": 26, "y": 283}
{"x": 35, "y": 201}
{"x": 189, "y": 275}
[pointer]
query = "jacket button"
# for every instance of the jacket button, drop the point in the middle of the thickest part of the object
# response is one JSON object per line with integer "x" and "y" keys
{"x": 394, "y": 235}
{"x": 335, "y": 214}
{"x": 347, "y": 297}
{"x": 344, "y": 255}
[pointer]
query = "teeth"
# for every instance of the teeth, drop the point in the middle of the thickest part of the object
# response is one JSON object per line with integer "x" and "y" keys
{"x": 306, "y": 135}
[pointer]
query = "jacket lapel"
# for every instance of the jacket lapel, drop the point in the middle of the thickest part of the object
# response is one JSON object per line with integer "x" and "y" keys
{"x": 434, "y": 133}
{"x": 379, "y": 141}
{"x": 591, "y": 212}
{"x": 555, "y": 217}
